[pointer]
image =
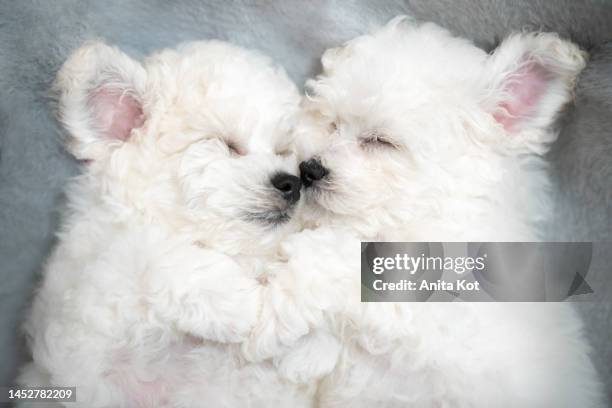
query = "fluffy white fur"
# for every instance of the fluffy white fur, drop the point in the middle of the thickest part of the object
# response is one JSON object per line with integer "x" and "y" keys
{"x": 157, "y": 273}
{"x": 167, "y": 287}
{"x": 427, "y": 138}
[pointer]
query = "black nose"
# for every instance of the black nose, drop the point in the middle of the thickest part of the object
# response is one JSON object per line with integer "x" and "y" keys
{"x": 311, "y": 171}
{"x": 288, "y": 185}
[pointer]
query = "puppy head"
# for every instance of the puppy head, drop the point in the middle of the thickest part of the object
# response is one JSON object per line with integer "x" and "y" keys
{"x": 197, "y": 139}
{"x": 410, "y": 118}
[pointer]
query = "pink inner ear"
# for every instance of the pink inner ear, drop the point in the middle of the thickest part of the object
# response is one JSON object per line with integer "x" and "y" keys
{"x": 116, "y": 113}
{"x": 524, "y": 91}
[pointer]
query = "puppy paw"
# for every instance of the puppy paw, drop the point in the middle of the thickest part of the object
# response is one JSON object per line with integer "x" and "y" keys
{"x": 313, "y": 356}
{"x": 205, "y": 294}
{"x": 280, "y": 325}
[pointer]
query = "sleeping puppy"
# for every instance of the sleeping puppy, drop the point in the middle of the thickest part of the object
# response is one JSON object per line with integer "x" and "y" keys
{"x": 190, "y": 183}
{"x": 416, "y": 135}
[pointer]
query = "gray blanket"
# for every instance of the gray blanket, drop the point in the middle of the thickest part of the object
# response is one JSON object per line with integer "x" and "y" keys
{"x": 37, "y": 35}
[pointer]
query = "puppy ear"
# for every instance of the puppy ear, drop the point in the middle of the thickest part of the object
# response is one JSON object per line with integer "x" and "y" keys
{"x": 529, "y": 78}
{"x": 99, "y": 92}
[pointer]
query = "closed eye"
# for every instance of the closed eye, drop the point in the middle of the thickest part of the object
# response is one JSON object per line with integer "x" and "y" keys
{"x": 375, "y": 138}
{"x": 285, "y": 151}
{"x": 234, "y": 148}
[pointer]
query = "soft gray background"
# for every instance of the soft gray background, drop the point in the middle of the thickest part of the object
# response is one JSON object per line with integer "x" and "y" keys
{"x": 37, "y": 35}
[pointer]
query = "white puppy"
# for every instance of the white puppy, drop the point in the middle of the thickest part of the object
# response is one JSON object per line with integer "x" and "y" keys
{"x": 190, "y": 182}
{"x": 420, "y": 136}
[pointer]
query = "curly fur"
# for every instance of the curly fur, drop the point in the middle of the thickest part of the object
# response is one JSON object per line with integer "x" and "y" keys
{"x": 156, "y": 275}
{"x": 173, "y": 291}
{"x": 427, "y": 138}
